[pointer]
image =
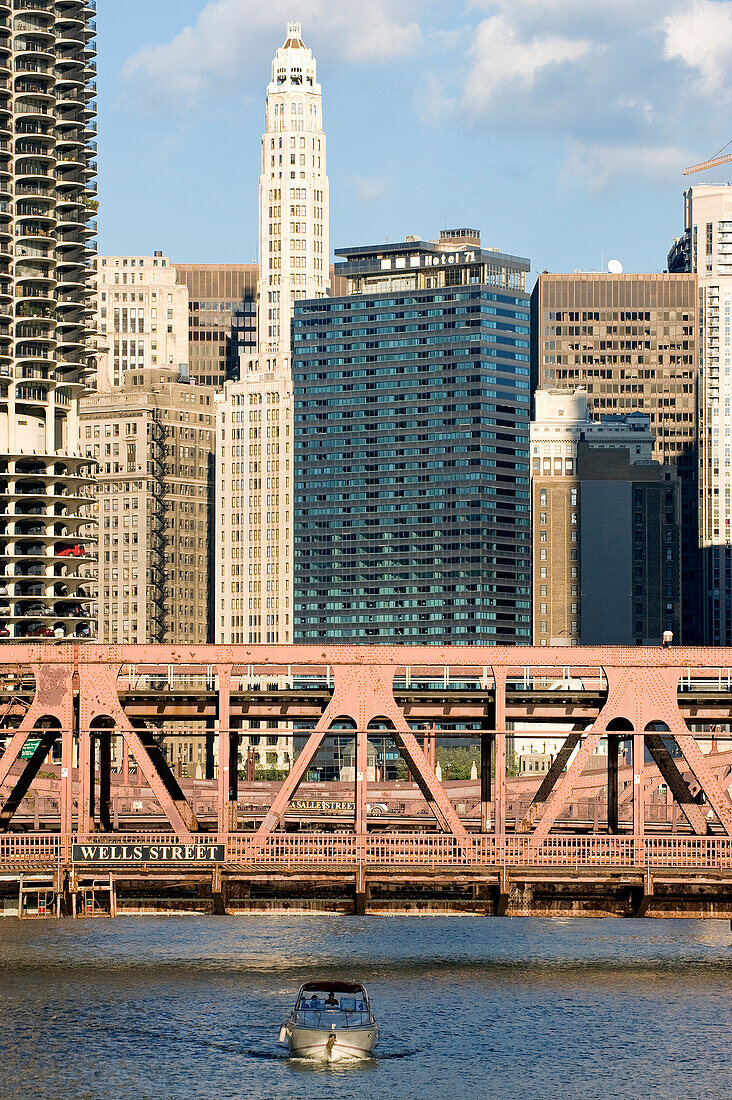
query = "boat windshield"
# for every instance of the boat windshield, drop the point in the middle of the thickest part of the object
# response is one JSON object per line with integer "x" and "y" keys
{"x": 324, "y": 1009}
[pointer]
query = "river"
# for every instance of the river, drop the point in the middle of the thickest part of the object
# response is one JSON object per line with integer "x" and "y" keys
{"x": 171, "y": 1007}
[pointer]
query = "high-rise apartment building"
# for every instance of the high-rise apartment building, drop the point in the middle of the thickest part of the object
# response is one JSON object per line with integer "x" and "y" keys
{"x": 631, "y": 342}
{"x": 254, "y": 494}
{"x": 705, "y": 249}
{"x": 411, "y": 491}
{"x": 142, "y": 317}
{"x": 222, "y": 319}
{"x": 153, "y": 440}
{"x": 605, "y": 527}
{"x": 47, "y": 204}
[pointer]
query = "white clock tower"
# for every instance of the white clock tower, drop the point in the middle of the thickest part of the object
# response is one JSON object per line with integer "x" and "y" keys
{"x": 255, "y": 423}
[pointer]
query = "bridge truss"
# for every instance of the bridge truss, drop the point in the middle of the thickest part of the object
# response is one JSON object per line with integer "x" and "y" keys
{"x": 663, "y": 716}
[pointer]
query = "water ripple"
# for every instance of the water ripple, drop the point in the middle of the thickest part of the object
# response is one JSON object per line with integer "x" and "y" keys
{"x": 169, "y": 1008}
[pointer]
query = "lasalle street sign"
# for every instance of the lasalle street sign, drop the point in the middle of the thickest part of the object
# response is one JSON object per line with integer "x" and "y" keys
{"x": 148, "y": 853}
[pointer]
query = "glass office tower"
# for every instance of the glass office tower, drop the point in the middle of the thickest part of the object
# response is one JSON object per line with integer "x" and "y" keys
{"x": 411, "y": 483}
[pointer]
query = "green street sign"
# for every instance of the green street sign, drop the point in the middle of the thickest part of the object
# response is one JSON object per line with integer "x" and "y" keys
{"x": 29, "y": 748}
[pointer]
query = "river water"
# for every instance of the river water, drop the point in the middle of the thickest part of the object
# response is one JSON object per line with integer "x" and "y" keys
{"x": 164, "y": 1008}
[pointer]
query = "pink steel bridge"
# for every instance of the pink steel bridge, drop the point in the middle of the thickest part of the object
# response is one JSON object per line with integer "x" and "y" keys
{"x": 668, "y": 710}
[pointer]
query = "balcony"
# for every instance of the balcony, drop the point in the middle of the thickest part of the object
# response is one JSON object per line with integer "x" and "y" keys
{"x": 31, "y": 149}
{"x": 31, "y": 87}
{"x": 41, "y": 68}
{"x": 41, "y": 54}
{"x": 44, "y": 29}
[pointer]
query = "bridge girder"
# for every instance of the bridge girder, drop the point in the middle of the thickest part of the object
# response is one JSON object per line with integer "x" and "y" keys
{"x": 81, "y": 689}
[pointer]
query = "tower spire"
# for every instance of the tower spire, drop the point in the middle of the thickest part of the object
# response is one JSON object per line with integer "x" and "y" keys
{"x": 294, "y": 35}
{"x": 293, "y": 198}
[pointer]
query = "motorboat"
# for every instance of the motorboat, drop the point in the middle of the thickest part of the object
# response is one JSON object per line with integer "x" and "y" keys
{"x": 331, "y": 1021}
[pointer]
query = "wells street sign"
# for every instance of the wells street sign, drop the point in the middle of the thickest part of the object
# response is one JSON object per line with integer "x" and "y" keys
{"x": 26, "y": 753}
{"x": 148, "y": 853}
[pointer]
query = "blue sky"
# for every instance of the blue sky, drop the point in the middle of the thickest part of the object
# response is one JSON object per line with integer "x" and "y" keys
{"x": 557, "y": 127}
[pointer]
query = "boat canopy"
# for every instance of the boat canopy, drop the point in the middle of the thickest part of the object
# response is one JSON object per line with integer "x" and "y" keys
{"x": 329, "y": 986}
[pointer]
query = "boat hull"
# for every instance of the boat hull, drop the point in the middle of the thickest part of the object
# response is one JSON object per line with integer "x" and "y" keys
{"x": 330, "y": 1045}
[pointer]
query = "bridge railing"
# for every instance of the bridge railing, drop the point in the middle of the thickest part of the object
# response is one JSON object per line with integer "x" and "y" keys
{"x": 420, "y": 849}
{"x": 327, "y": 850}
{"x": 321, "y": 849}
{"x": 571, "y": 851}
{"x": 689, "y": 851}
{"x": 438, "y": 850}
{"x": 31, "y": 848}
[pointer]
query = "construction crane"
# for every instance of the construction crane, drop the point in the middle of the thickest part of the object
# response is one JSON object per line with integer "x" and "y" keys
{"x": 719, "y": 158}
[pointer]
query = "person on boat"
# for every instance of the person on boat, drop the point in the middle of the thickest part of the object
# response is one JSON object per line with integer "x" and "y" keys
{"x": 331, "y": 1001}
{"x": 314, "y": 1003}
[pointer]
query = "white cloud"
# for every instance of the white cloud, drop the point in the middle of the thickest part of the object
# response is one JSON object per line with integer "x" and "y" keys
{"x": 501, "y": 58}
{"x": 700, "y": 35}
{"x": 637, "y": 106}
{"x": 596, "y": 166}
{"x": 232, "y": 38}
{"x": 367, "y": 189}
{"x": 613, "y": 82}
{"x": 433, "y": 102}
{"x": 574, "y": 18}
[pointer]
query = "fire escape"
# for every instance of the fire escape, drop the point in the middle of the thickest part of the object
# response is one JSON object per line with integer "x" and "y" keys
{"x": 157, "y": 563}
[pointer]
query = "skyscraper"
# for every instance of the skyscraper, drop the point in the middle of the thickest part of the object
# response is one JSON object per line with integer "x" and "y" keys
{"x": 222, "y": 319}
{"x": 47, "y": 205}
{"x": 411, "y": 448}
{"x": 630, "y": 341}
{"x": 705, "y": 249}
{"x": 254, "y": 505}
{"x": 153, "y": 439}
{"x": 293, "y": 198}
{"x": 605, "y": 526}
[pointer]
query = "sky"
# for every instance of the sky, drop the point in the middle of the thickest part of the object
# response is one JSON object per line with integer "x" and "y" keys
{"x": 559, "y": 128}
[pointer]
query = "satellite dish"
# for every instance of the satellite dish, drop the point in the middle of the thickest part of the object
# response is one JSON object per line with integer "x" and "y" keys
{"x": 615, "y": 267}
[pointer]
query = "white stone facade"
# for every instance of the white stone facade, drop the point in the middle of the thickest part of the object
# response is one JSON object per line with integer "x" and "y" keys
{"x": 709, "y": 220}
{"x": 254, "y": 546}
{"x": 562, "y": 418}
{"x": 141, "y": 317}
{"x": 708, "y": 211}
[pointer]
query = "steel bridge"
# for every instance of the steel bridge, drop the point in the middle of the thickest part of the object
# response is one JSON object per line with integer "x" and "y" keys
{"x": 650, "y": 832}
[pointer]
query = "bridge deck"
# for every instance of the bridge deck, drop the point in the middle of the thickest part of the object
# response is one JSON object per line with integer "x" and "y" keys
{"x": 499, "y": 875}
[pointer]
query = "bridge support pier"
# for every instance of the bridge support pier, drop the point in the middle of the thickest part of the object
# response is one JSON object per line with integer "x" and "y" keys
{"x": 501, "y": 894}
{"x": 638, "y": 787}
{"x": 228, "y": 753}
{"x": 361, "y": 893}
{"x": 486, "y": 746}
{"x": 499, "y": 741}
{"x": 217, "y": 893}
{"x": 361, "y": 779}
{"x": 613, "y": 748}
{"x": 105, "y": 782}
{"x": 641, "y": 896}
